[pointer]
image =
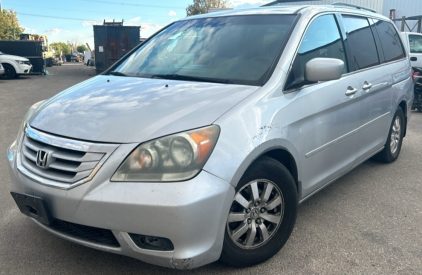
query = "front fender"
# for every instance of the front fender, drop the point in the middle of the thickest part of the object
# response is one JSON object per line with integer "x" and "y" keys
{"x": 238, "y": 148}
{"x": 274, "y": 144}
{"x": 11, "y": 63}
{"x": 265, "y": 121}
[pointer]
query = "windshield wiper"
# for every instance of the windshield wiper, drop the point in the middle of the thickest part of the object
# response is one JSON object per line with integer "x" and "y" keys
{"x": 192, "y": 78}
{"x": 117, "y": 73}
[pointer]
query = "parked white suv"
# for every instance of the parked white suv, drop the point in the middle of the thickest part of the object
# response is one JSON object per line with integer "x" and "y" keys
{"x": 413, "y": 43}
{"x": 14, "y": 66}
{"x": 1, "y": 69}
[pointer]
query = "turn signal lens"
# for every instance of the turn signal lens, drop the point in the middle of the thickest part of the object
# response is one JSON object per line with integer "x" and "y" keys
{"x": 172, "y": 158}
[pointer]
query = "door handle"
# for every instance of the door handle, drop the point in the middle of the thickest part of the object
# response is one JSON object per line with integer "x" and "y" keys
{"x": 366, "y": 85}
{"x": 413, "y": 58}
{"x": 351, "y": 91}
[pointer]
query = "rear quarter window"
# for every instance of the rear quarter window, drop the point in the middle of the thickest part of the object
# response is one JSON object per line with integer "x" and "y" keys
{"x": 390, "y": 41}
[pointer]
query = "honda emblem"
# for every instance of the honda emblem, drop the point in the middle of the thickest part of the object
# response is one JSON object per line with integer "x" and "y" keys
{"x": 42, "y": 157}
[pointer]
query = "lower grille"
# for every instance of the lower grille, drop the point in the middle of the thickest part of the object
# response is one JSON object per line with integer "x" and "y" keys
{"x": 85, "y": 233}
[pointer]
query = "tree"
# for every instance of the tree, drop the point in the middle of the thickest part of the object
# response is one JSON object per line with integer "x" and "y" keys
{"x": 82, "y": 48}
{"x": 73, "y": 44}
{"x": 9, "y": 25}
{"x": 60, "y": 47}
{"x": 203, "y": 6}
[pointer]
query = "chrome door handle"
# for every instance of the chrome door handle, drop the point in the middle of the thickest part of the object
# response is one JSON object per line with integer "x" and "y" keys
{"x": 366, "y": 85}
{"x": 351, "y": 91}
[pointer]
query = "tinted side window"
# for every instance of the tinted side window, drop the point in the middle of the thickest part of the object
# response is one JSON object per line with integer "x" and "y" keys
{"x": 322, "y": 39}
{"x": 415, "y": 42}
{"x": 390, "y": 41}
{"x": 361, "y": 42}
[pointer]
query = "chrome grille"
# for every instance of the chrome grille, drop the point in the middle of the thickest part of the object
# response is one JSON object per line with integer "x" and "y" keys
{"x": 68, "y": 163}
{"x": 65, "y": 165}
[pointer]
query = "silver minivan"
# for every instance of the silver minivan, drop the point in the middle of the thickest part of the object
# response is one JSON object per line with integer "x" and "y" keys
{"x": 200, "y": 143}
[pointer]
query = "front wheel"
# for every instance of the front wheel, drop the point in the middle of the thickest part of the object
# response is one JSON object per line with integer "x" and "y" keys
{"x": 392, "y": 147}
{"x": 262, "y": 215}
{"x": 9, "y": 72}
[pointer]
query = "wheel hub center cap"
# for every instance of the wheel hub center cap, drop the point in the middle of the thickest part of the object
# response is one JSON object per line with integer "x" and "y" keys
{"x": 254, "y": 213}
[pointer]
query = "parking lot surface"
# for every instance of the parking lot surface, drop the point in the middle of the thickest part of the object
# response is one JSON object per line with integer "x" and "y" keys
{"x": 367, "y": 222}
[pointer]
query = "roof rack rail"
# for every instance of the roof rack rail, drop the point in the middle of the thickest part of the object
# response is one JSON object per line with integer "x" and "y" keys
{"x": 352, "y": 6}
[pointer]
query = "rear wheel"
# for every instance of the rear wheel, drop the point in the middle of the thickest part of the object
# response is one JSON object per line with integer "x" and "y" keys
{"x": 262, "y": 215}
{"x": 9, "y": 72}
{"x": 395, "y": 138}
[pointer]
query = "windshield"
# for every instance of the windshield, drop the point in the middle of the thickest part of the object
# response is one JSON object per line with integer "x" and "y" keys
{"x": 236, "y": 49}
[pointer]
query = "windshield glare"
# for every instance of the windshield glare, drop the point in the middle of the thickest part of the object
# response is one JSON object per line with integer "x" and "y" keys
{"x": 234, "y": 49}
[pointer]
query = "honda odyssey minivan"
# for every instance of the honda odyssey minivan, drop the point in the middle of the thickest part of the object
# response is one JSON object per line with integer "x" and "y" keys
{"x": 200, "y": 143}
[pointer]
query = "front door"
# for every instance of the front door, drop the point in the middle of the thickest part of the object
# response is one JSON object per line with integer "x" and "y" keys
{"x": 331, "y": 109}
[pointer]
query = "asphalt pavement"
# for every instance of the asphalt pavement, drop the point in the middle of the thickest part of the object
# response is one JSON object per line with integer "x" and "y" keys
{"x": 367, "y": 222}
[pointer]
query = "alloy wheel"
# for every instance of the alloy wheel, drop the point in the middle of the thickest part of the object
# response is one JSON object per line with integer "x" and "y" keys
{"x": 395, "y": 135}
{"x": 255, "y": 214}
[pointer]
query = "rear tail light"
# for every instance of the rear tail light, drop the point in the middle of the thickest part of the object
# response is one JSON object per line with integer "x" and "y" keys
{"x": 414, "y": 74}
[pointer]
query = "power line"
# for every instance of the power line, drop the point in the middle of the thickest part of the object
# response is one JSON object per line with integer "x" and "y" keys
{"x": 131, "y": 4}
{"x": 89, "y": 11}
{"x": 56, "y": 17}
{"x": 67, "y": 18}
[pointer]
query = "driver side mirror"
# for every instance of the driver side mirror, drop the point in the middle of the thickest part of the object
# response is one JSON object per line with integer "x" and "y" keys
{"x": 323, "y": 69}
{"x": 316, "y": 69}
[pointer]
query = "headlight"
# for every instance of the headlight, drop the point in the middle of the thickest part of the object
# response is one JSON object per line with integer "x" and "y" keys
{"x": 172, "y": 158}
{"x": 20, "y": 61}
{"x": 28, "y": 115}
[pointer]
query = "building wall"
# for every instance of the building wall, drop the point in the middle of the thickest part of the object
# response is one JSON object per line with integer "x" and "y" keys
{"x": 403, "y": 7}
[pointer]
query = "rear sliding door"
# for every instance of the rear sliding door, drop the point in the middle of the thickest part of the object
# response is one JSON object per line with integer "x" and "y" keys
{"x": 374, "y": 82}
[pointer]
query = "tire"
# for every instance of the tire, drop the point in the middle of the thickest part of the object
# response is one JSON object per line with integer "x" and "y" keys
{"x": 9, "y": 72}
{"x": 391, "y": 150}
{"x": 238, "y": 249}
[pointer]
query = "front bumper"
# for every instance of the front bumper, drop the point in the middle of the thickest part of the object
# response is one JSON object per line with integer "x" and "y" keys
{"x": 24, "y": 69}
{"x": 191, "y": 214}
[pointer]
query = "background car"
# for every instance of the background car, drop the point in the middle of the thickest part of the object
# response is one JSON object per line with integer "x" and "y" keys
{"x": 413, "y": 44}
{"x": 14, "y": 66}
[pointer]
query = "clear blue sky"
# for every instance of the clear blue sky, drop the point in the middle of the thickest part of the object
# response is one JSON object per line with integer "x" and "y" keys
{"x": 73, "y": 19}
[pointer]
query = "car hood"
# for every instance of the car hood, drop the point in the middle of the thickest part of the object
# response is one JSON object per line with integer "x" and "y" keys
{"x": 13, "y": 57}
{"x": 126, "y": 109}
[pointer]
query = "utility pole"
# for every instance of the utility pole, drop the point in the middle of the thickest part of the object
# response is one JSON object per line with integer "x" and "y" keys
{"x": 13, "y": 26}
